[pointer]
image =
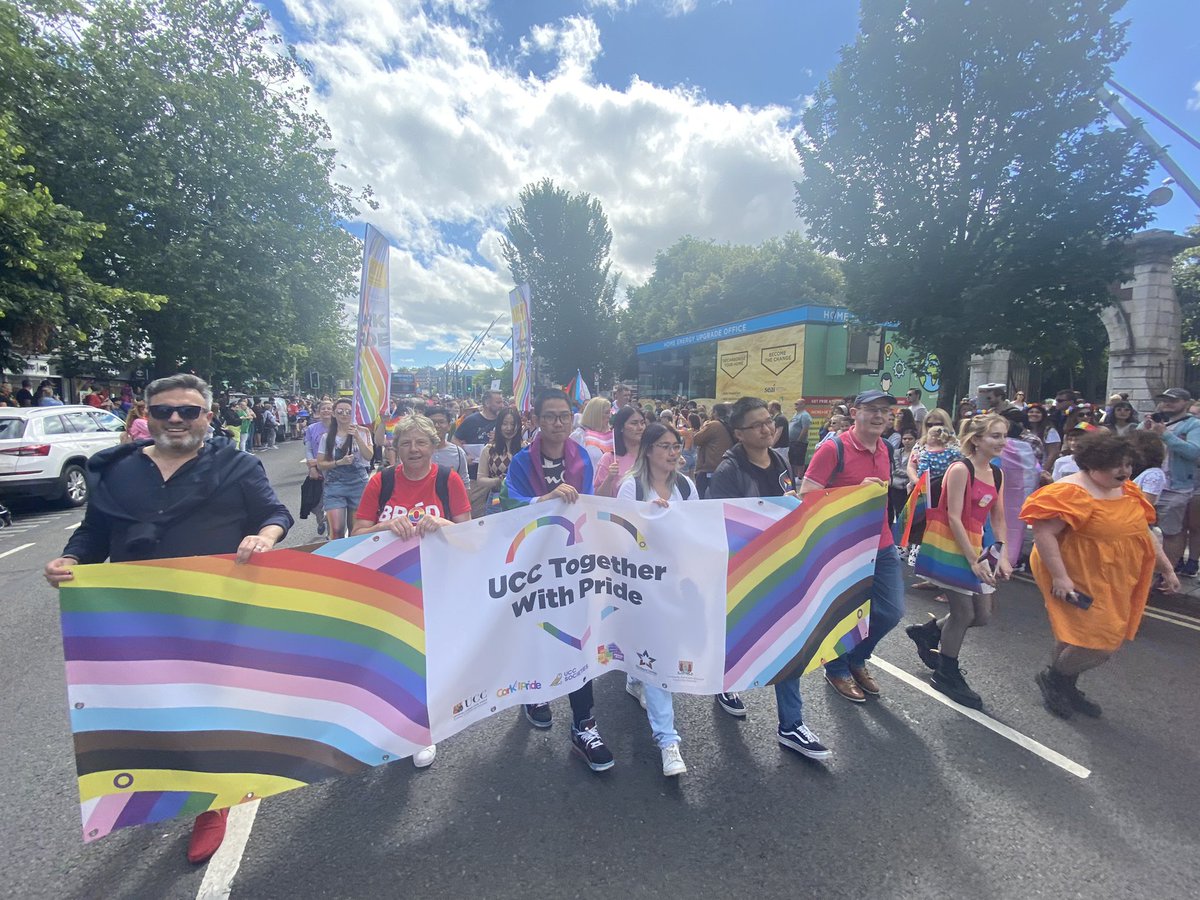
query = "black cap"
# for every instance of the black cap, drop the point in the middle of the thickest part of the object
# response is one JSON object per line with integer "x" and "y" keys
{"x": 871, "y": 396}
{"x": 1175, "y": 394}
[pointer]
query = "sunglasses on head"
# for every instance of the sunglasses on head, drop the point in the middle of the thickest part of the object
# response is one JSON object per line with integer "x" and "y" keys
{"x": 162, "y": 411}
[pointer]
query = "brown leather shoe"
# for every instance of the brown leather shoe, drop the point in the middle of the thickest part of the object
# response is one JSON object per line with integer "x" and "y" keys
{"x": 847, "y": 687}
{"x": 866, "y": 681}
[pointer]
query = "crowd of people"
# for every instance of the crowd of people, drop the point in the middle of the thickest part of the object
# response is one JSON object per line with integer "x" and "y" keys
{"x": 1089, "y": 482}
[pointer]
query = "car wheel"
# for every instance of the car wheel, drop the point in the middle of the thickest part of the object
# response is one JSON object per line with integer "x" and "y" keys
{"x": 74, "y": 486}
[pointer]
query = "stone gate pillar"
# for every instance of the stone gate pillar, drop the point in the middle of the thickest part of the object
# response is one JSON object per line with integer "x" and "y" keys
{"x": 1144, "y": 324}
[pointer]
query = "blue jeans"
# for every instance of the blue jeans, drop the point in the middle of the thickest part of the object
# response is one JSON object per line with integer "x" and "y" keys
{"x": 660, "y": 711}
{"x": 887, "y": 609}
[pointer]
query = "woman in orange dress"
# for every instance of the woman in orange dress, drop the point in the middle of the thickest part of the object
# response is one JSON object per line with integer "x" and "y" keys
{"x": 1092, "y": 540}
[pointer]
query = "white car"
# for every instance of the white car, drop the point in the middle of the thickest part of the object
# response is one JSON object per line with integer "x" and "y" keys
{"x": 43, "y": 449}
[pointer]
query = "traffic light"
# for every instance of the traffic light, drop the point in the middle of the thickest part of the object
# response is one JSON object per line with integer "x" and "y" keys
{"x": 314, "y": 381}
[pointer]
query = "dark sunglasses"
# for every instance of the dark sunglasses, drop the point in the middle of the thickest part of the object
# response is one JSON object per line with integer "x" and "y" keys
{"x": 162, "y": 412}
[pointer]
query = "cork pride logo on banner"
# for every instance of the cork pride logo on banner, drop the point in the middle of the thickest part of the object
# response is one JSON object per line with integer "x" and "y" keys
{"x": 196, "y": 684}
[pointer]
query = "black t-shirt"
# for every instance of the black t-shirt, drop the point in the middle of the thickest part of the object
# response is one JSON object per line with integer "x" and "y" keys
{"x": 24, "y": 397}
{"x": 552, "y": 471}
{"x": 476, "y": 429}
{"x": 767, "y": 480}
{"x": 781, "y": 423}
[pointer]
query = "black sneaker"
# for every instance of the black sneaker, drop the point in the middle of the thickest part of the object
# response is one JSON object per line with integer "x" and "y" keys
{"x": 1190, "y": 569}
{"x": 588, "y": 744}
{"x": 1056, "y": 701}
{"x": 1078, "y": 699}
{"x": 732, "y": 704}
{"x": 949, "y": 681}
{"x": 926, "y": 637}
{"x": 538, "y": 714}
{"x": 801, "y": 739}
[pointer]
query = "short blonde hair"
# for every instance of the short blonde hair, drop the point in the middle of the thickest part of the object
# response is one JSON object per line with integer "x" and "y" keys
{"x": 595, "y": 414}
{"x": 939, "y": 434}
{"x": 416, "y": 422}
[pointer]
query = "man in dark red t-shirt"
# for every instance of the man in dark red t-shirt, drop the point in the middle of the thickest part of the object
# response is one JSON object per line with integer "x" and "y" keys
{"x": 865, "y": 458}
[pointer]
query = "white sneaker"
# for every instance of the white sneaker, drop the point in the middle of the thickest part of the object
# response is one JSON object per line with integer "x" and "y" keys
{"x": 635, "y": 690}
{"x": 424, "y": 758}
{"x": 672, "y": 761}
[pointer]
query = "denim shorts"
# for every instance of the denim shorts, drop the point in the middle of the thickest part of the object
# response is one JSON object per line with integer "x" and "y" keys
{"x": 343, "y": 494}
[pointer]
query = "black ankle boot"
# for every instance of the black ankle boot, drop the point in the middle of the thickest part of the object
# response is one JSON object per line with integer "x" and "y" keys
{"x": 950, "y": 681}
{"x": 1054, "y": 687}
{"x": 926, "y": 636}
{"x": 1078, "y": 699}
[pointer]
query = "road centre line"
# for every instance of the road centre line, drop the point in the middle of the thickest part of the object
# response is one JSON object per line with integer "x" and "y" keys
{"x": 221, "y": 869}
{"x": 14, "y": 550}
{"x": 1011, "y": 734}
{"x": 1174, "y": 620}
{"x": 72, "y": 527}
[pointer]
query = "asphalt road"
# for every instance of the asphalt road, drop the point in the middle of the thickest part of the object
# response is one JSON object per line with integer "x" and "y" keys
{"x": 918, "y": 800}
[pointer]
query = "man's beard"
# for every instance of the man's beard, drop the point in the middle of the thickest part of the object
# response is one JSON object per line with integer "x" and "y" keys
{"x": 176, "y": 442}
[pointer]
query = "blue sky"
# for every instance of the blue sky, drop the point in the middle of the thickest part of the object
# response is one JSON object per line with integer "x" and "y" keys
{"x": 676, "y": 114}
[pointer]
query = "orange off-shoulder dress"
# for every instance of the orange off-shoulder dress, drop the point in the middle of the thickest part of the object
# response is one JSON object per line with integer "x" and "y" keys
{"x": 1109, "y": 554}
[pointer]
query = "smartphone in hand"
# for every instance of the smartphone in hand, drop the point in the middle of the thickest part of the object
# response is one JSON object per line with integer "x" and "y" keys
{"x": 1079, "y": 598}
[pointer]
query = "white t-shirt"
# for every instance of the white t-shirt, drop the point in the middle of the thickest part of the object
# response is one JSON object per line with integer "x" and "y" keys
{"x": 1152, "y": 481}
{"x": 1052, "y": 436}
{"x": 1064, "y": 466}
{"x": 628, "y": 490}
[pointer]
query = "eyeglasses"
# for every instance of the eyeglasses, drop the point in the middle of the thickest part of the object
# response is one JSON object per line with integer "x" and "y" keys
{"x": 761, "y": 426}
{"x": 669, "y": 447}
{"x": 560, "y": 418}
{"x": 162, "y": 412}
{"x": 341, "y": 410}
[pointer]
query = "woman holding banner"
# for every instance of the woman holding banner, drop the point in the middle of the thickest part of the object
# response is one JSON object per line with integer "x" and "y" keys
{"x": 655, "y": 478}
{"x": 414, "y": 498}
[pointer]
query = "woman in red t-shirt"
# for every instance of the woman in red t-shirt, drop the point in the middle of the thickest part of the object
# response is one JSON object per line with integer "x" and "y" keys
{"x": 414, "y": 507}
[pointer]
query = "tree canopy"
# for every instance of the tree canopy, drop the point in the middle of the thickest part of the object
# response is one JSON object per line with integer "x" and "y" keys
{"x": 959, "y": 162}
{"x": 182, "y": 128}
{"x": 1186, "y": 276}
{"x": 558, "y": 243}
{"x": 697, "y": 284}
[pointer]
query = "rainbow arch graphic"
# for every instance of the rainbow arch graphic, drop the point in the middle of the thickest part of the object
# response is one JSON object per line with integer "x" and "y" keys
{"x": 626, "y": 524}
{"x": 574, "y": 531}
{"x": 577, "y": 643}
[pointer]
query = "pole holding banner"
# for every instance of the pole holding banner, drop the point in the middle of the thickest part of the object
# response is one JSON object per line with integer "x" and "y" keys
{"x": 522, "y": 347}
{"x": 373, "y": 346}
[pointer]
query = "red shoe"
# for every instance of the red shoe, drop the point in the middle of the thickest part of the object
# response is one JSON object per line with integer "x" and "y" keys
{"x": 207, "y": 834}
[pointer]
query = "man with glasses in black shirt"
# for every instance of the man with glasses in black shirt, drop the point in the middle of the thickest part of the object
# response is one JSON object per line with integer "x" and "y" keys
{"x": 177, "y": 494}
{"x": 554, "y": 467}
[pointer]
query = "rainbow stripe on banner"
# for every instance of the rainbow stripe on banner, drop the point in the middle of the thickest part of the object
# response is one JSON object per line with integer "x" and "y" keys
{"x": 798, "y": 585}
{"x": 522, "y": 347}
{"x": 235, "y": 684}
{"x": 913, "y": 512}
{"x": 373, "y": 349}
{"x": 940, "y": 560}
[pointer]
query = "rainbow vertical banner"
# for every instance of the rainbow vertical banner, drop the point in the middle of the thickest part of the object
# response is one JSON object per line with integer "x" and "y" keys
{"x": 522, "y": 347}
{"x": 373, "y": 348}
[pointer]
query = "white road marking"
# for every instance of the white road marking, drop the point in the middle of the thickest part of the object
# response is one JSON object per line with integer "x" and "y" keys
{"x": 1038, "y": 749}
{"x": 14, "y": 550}
{"x": 218, "y": 876}
{"x": 72, "y": 527}
{"x": 1174, "y": 619}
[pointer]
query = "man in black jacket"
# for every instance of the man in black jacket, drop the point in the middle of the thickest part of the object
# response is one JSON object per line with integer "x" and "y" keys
{"x": 753, "y": 468}
{"x": 176, "y": 495}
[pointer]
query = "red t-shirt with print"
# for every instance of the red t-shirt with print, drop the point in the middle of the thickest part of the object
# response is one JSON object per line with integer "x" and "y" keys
{"x": 858, "y": 463}
{"x": 413, "y": 498}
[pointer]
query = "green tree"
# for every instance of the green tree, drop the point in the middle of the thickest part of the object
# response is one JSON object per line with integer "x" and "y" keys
{"x": 958, "y": 161}
{"x": 47, "y": 302}
{"x": 183, "y": 127}
{"x": 697, "y": 284}
{"x": 558, "y": 243}
{"x": 1186, "y": 275}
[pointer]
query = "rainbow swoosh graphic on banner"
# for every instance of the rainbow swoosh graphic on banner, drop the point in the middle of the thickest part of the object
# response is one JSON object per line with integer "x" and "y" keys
{"x": 235, "y": 684}
{"x": 798, "y": 585}
{"x": 574, "y": 532}
{"x": 626, "y": 524}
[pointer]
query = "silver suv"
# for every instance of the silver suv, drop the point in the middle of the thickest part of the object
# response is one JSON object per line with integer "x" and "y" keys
{"x": 43, "y": 449}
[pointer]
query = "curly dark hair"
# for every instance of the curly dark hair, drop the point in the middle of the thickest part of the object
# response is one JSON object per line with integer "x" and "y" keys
{"x": 1148, "y": 451}
{"x": 1102, "y": 450}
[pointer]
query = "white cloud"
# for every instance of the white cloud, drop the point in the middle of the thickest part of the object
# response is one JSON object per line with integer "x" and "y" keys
{"x": 1194, "y": 101}
{"x": 448, "y": 136}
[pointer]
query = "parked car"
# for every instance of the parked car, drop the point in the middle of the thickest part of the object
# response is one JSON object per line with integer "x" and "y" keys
{"x": 43, "y": 450}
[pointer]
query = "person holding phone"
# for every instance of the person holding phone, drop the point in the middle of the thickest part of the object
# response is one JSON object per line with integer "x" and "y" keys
{"x": 1094, "y": 558}
{"x": 971, "y": 493}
